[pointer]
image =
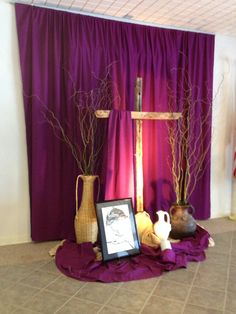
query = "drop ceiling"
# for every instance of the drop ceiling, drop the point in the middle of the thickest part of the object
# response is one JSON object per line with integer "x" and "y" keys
{"x": 208, "y": 16}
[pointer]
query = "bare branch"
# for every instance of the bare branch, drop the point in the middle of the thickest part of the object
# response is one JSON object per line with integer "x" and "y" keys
{"x": 189, "y": 136}
{"x": 86, "y": 140}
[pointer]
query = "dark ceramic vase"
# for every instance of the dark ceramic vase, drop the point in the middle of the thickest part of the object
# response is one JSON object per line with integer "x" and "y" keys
{"x": 182, "y": 222}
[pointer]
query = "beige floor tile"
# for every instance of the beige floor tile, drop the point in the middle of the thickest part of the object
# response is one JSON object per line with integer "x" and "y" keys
{"x": 112, "y": 310}
{"x": 17, "y": 294}
{"x": 223, "y": 242}
{"x": 50, "y": 267}
{"x": 158, "y": 305}
{"x": 25, "y": 267}
{"x": 192, "y": 266}
{"x": 65, "y": 286}
{"x": 210, "y": 280}
{"x": 218, "y": 225}
{"x": 39, "y": 279}
{"x": 171, "y": 290}
{"x": 234, "y": 243}
{"x": 16, "y": 272}
{"x": 79, "y": 306}
{"x": 24, "y": 311}
{"x": 233, "y": 259}
{"x": 3, "y": 269}
{"x": 115, "y": 284}
{"x": 46, "y": 302}
{"x": 6, "y": 308}
{"x": 231, "y": 302}
{"x": 217, "y": 257}
{"x": 179, "y": 275}
{"x": 25, "y": 253}
{"x": 207, "y": 267}
{"x": 207, "y": 298}
{"x": 4, "y": 284}
{"x": 96, "y": 292}
{"x": 232, "y": 284}
{"x": 232, "y": 271}
{"x": 128, "y": 300}
{"x": 141, "y": 285}
{"x": 194, "y": 309}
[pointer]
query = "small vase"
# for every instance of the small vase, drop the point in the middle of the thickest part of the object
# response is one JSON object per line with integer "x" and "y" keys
{"x": 85, "y": 223}
{"x": 182, "y": 222}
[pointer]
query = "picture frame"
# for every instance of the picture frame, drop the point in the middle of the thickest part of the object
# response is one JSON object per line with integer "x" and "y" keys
{"x": 117, "y": 229}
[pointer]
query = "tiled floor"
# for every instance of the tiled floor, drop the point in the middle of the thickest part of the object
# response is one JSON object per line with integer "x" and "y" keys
{"x": 30, "y": 283}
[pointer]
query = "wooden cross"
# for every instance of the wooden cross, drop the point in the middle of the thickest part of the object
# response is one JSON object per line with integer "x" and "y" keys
{"x": 139, "y": 115}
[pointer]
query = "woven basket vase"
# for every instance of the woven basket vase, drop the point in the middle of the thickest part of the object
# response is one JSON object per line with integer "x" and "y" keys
{"x": 85, "y": 223}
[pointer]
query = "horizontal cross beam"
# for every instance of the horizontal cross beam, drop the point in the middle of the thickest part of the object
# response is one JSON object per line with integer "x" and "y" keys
{"x": 141, "y": 115}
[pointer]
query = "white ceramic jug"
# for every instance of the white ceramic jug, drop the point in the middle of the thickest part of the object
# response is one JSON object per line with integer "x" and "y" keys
{"x": 162, "y": 228}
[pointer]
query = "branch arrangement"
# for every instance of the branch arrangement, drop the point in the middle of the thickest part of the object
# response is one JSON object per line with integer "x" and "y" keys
{"x": 189, "y": 138}
{"x": 86, "y": 140}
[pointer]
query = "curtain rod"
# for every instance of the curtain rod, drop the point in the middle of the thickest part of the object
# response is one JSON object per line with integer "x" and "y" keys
{"x": 107, "y": 17}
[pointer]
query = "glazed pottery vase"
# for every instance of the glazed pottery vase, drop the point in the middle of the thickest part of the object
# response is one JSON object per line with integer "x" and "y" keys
{"x": 85, "y": 222}
{"x": 182, "y": 222}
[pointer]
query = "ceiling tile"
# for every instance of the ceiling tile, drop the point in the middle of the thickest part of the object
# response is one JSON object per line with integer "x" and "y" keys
{"x": 211, "y": 16}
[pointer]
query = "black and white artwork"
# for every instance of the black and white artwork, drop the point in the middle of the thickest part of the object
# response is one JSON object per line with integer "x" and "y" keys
{"x": 118, "y": 232}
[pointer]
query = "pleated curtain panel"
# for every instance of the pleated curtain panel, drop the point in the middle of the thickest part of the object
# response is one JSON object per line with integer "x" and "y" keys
{"x": 60, "y": 52}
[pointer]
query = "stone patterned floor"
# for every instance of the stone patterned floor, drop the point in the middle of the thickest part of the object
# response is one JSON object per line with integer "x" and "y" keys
{"x": 30, "y": 283}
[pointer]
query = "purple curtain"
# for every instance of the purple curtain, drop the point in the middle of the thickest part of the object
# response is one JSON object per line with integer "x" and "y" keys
{"x": 120, "y": 168}
{"x": 58, "y": 48}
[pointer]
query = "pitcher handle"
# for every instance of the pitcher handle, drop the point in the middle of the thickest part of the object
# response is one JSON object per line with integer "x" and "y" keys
{"x": 192, "y": 210}
{"x": 76, "y": 191}
{"x": 171, "y": 210}
{"x": 99, "y": 185}
{"x": 77, "y": 188}
{"x": 167, "y": 217}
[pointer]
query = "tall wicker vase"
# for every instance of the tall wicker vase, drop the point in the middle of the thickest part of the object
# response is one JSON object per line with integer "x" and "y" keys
{"x": 85, "y": 223}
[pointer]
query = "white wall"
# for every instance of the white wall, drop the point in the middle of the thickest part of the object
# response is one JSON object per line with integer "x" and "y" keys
{"x": 223, "y": 186}
{"x": 14, "y": 195}
{"x": 14, "y": 198}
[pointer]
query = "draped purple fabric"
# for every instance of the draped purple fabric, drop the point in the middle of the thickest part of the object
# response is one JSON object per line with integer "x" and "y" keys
{"x": 78, "y": 261}
{"x": 61, "y": 50}
{"x": 119, "y": 168}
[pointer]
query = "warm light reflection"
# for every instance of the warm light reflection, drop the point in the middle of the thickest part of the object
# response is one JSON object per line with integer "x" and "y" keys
{"x": 139, "y": 166}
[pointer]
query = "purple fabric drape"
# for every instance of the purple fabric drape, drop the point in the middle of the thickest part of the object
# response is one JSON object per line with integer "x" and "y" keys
{"x": 59, "y": 51}
{"x": 78, "y": 261}
{"x": 119, "y": 168}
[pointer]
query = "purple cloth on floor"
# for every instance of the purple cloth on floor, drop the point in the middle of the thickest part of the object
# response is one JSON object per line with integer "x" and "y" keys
{"x": 78, "y": 260}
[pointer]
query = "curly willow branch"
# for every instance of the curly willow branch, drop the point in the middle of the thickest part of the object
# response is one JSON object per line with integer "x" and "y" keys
{"x": 188, "y": 136}
{"x": 88, "y": 139}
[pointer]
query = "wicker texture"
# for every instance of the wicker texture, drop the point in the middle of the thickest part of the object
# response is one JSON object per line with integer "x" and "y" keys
{"x": 85, "y": 223}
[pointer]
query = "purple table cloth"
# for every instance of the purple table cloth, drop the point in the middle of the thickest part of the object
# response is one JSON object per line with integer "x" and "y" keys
{"x": 78, "y": 260}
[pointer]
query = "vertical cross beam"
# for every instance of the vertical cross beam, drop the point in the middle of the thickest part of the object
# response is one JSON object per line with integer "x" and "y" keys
{"x": 139, "y": 148}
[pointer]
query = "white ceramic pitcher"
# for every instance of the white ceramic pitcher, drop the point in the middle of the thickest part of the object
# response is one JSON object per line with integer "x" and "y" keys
{"x": 162, "y": 228}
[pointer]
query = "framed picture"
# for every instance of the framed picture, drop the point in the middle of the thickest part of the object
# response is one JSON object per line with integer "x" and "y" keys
{"x": 117, "y": 229}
